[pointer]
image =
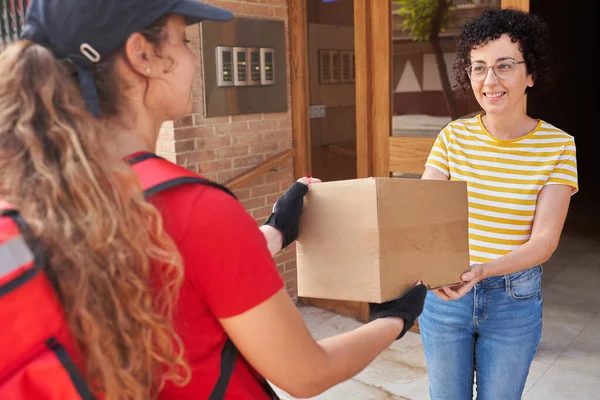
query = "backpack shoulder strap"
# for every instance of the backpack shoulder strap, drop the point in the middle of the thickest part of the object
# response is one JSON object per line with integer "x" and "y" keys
{"x": 158, "y": 174}
{"x": 19, "y": 263}
{"x": 228, "y": 356}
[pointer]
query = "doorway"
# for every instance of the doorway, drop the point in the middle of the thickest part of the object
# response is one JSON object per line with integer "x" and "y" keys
{"x": 385, "y": 145}
{"x": 568, "y": 106}
{"x": 330, "y": 31}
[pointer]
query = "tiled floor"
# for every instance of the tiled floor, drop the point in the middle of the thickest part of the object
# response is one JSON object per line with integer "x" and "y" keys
{"x": 566, "y": 366}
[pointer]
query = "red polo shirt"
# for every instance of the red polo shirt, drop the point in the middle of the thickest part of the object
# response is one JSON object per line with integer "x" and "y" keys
{"x": 228, "y": 270}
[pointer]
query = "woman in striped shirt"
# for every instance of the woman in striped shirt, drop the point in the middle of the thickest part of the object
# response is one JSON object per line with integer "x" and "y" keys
{"x": 520, "y": 173}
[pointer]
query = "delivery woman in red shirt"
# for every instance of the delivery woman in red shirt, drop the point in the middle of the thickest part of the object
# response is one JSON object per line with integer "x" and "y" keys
{"x": 134, "y": 70}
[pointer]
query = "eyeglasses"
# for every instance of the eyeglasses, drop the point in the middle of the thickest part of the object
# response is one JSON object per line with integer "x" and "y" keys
{"x": 502, "y": 69}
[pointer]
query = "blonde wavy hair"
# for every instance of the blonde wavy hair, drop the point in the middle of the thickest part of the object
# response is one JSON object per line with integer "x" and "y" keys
{"x": 117, "y": 271}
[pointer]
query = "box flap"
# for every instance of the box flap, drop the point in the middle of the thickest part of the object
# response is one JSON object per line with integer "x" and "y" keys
{"x": 337, "y": 248}
{"x": 423, "y": 228}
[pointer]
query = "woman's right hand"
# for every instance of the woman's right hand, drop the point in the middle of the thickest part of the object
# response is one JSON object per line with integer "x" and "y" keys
{"x": 308, "y": 179}
{"x": 287, "y": 209}
{"x": 408, "y": 307}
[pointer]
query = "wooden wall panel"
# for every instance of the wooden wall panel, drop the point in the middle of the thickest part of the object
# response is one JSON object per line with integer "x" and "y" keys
{"x": 372, "y": 42}
{"x": 408, "y": 154}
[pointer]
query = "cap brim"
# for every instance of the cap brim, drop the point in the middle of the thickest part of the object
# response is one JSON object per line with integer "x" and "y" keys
{"x": 194, "y": 11}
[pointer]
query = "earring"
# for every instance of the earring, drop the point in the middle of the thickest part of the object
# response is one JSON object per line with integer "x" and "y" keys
{"x": 148, "y": 70}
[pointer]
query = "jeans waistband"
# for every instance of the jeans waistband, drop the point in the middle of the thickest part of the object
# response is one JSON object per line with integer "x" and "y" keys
{"x": 505, "y": 281}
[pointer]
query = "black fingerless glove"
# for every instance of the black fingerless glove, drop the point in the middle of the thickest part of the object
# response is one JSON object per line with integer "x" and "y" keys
{"x": 407, "y": 307}
{"x": 286, "y": 212}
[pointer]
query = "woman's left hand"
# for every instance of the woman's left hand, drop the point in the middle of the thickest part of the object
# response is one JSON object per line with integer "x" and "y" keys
{"x": 470, "y": 279}
{"x": 307, "y": 180}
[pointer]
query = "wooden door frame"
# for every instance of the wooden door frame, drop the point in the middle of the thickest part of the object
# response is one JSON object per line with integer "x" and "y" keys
{"x": 299, "y": 86}
{"x": 373, "y": 51}
{"x": 373, "y": 66}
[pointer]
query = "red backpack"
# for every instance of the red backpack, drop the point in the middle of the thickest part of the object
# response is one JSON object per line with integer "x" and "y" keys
{"x": 39, "y": 359}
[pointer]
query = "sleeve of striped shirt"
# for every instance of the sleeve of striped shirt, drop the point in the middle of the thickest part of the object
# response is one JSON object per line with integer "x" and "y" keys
{"x": 438, "y": 157}
{"x": 565, "y": 170}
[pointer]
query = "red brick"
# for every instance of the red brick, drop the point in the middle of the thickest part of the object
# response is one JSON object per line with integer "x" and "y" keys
{"x": 258, "y": 10}
{"x": 293, "y": 293}
{"x": 260, "y": 214}
{"x": 259, "y": 221}
{"x": 251, "y": 204}
{"x": 247, "y": 117}
{"x": 284, "y": 123}
{"x": 284, "y": 134}
{"x": 256, "y": 148}
{"x": 197, "y": 108}
{"x": 288, "y": 276}
{"x": 214, "y": 166}
{"x": 275, "y": 2}
{"x": 285, "y": 185}
{"x": 286, "y": 145}
{"x": 212, "y": 176}
{"x": 232, "y": 128}
{"x": 192, "y": 133}
{"x": 279, "y": 176}
{"x": 192, "y": 168}
{"x": 230, "y": 5}
{"x": 196, "y": 82}
{"x": 183, "y": 122}
{"x": 247, "y": 139}
{"x": 213, "y": 142}
{"x": 291, "y": 266}
{"x": 261, "y": 125}
{"x": 258, "y": 181}
{"x": 242, "y": 194}
{"x": 229, "y": 152}
{"x": 182, "y": 146}
{"x": 195, "y": 157}
{"x": 248, "y": 161}
{"x": 198, "y": 95}
{"x": 271, "y": 199}
{"x": 271, "y": 188}
{"x": 200, "y": 120}
{"x": 281, "y": 12}
{"x": 285, "y": 257}
{"x": 280, "y": 115}
{"x": 224, "y": 176}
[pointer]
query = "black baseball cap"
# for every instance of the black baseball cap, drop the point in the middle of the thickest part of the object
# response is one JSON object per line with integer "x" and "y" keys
{"x": 86, "y": 31}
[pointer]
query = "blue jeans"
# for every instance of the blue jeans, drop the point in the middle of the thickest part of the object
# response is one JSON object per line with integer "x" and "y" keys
{"x": 494, "y": 329}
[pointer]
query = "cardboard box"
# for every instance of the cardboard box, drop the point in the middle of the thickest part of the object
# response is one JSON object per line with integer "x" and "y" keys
{"x": 371, "y": 239}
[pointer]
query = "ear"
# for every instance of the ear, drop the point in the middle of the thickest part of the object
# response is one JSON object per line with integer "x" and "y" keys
{"x": 530, "y": 80}
{"x": 140, "y": 53}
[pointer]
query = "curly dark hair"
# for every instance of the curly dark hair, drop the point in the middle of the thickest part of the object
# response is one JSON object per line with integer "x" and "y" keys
{"x": 527, "y": 29}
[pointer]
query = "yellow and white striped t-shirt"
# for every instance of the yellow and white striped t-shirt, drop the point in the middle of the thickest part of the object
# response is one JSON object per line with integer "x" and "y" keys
{"x": 504, "y": 178}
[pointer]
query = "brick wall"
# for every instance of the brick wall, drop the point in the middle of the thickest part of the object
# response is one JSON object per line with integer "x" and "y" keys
{"x": 221, "y": 148}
